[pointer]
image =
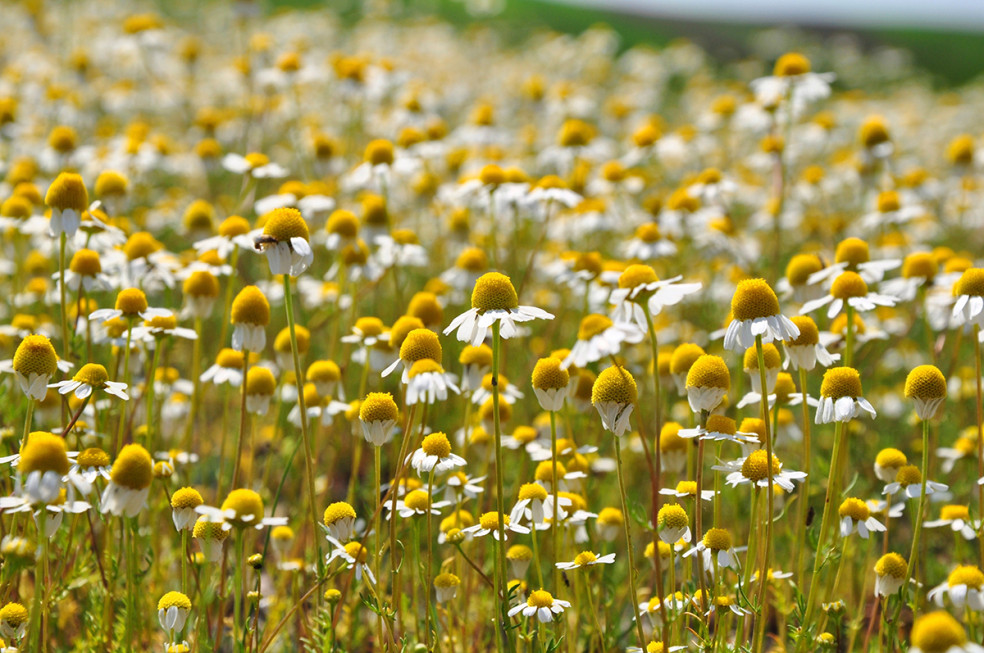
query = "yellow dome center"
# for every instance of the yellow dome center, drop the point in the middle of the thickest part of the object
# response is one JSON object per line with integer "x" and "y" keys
{"x": 756, "y": 467}
{"x": 841, "y": 382}
{"x": 593, "y": 325}
{"x": 285, "y": 223}
{"x": 133, "y": 468}
{"x": 131, "y": 301}
{"x": 549, "y": 375}
{"x": 892, "y": 565}
{"x": 614, "y": 384}
{"x": 35, "y": 355}
{"x": 754, "y": 298}
{"x": 709, "y": 371}
{"x": 44, "y": 452}
{"x": 925, "y": 382}
{"x": 378, "y": 407}
{"x": 494, "y": 291}
{"x": 672, "y": 516}
{"x": 856, "y": 509}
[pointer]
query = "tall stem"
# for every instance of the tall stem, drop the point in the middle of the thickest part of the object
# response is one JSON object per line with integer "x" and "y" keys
{"x": 980, "y": 439}
{"x": 555, "y": 522}
{"x": 910, "y": 568}
{"x": 66, "y": 342}
{"x": 832, "y": 477}
{"x": 805, "y": 489}
{"x": 657, "y": 479}
{"x": 126, "y": 380}
{"x": 308, "y": 454}
{"x": 244, "y": 422}
{"x": 770, "y": 498}
{"x": 499, "y": 497}
{"x": 628, "y": 541}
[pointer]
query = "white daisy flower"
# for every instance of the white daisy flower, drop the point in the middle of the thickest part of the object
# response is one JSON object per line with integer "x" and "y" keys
{"x": 494, "y": 301}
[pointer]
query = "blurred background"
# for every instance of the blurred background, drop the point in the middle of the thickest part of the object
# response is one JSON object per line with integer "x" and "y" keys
{"x": 944, "y": 39}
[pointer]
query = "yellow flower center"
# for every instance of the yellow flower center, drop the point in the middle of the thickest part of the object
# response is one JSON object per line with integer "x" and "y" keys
{"x": 937, "y": 632}
{"x": 921, "y": 265}
{"x": 971, "y": 283}
{"x": 92, "y": 374}
{"x": 378, "y": 407}
{"x": 246, "y": 504}
{"x": 709, "y": 371}
{"x": 784, "y": 385}
{"x": 669, "y": 439}
{"x": 968, "y": 575}
{"x": 14, "y": 614}
{"x": 540, "y": 599}
{"x": 251, "y": 307}
{"x": 888, "y": 201}
{"x": 162, "y": 322}
{"x": 285, "y": 223}
{"x": 472, "y": 260}
{"x": 548, "y": 375}
{"x": 67, "y": 191}
{"x": 756, "y": 467}
{"x": 93, "y": 457}
{"x": 891, "y": 564}
{"x": 417, "y": 500}
{"x": 908, "y": 475}
{"x": 874, "y": 131}
{"x": 721, "y": 424}
{"x": 141, "y": 245}
{"x": 494, "y": 291}
{"x": 260, "y": 381}
{"x": 379, "y": 152}
{"x": 841, "y": 382}
{"x": 684, "y": 357}
{"x": 133, "y": 468}
{"x": 593, "y": 325}
{"x": 614, "y": 384}
{"x": 637, "y": 275}
{"x": 544, "y": 471}
{"x": 800, "y": 267}
{"x": 585, "y": 558}
{"x": 174, "y": 600}
{"x": 427, "y": 366}
{"x": 421, "y": 344}
{"x": 44, "y": 452}
{"x": 953, "y": 512}
{"x": 436, "y": 444}
{"x": 35, "y": 355}
{"x": 230, "y": 358}
{"x": 754, "y": 298}
{"x": 809, "y": 334}
{"x": 86, "y": 262}
{"x": 925, "y": 382}
{"x": 647, "y": 233}
{"x": 519, "y": 552}
{"x": 490, "y": 520}
{"x": 131, "y": 301}
{"x": 338, "y": 511}
{"x": 480, "y": 356}
{"x": 687, "y": 487}
{"x": 206, "y": 530}
{"x": 770, "y": 353}
{"x": 791, "y": 64}
{"x": 717, "y": 539}
{"x": 186, "y": 498}
{"x": 672, "y": 516}
{"x": 446, "y": 581}
{"x": 357, "y": 551}
{"x": 848, "y": 284}
{"x": 201, "y": 283}
{"x": 324, "y": 371}
{"x": 854, "y": 508}
{"x": 852, "y": 251}
{"x": 531, "y": 492}
{"x": 527, "y": 434}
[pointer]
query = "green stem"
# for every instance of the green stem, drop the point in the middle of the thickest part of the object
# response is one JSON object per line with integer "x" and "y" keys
{"x": 149, "y": 392}
{"x": 805, "y": 489}
{"x": 555, "y": 522}
{"x": 910, "y": 568}
{"x": 628, "y": 541}
{"x": 770, "y": 498}
{"x": 66, "y": 342}
{"x": 244, "y": 422}
{"x": 126, "y": 380}
{"x": 499, "y": 496}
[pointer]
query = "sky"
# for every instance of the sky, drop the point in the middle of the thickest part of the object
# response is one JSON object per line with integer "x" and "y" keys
{"x": 946, "y": 14}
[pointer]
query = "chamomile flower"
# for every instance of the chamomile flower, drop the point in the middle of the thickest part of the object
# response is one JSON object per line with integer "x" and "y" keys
{"x": 755, "y": 312}
{"x": 708, "y": 381}
{"x": 754, "y": 469}
{"x": 285, "y": 241}
{"x": 68, "y": 199}
{"x": 129, "y": 484}
{"x": 840, "y": 396}
{"x": 489, "y": 523}
{"x": 855, "y": 515}
{"x": 598, "y": 337}
{"x": 848, "y": 289}
{"x": 853, "y": 254}
{"x": 14, "y": 619}
{"x": 890, "y": 572}
{"x": 969, "y": 292}
{"x": 909, "y": 480}
{"x": 210, "y": 536}
{"x": 418, "y": 344}
{"x": 926, "y": 386}
{"x": 586, "y": 559}
{"x": 250, "y": 316}
{"x": 260, "y": 388}
{"x": 673, "y": 523}
{"x": 354, "y": 554}
{"x": 614, "y": 395}
{"x": 542, "y": 604}
{"x": 228, "y": 368}
{"x": 131, "y": 303}
{"x": 33, "y": 365}
{"x": 551, "y": 383}
{"x": 240, "y": 509}
{"x": 805, "y": 350}
{"x": 427, "y": 382}
{"x": 183, "y": 504}
{"x": 686, "y": 490}
{"x": 172, "y": 612}
{"x": 720, "y": 428}
{"x": 446, "y": 587}
{"x": 339, "y": 519}
{"x": 793, "y": 81}
{"x": 888, "y": 462}
{"x": 434, "y": 455}
{"x": 415, "y": 503}
{"x": 91, "y": 376}
{"x": 494, "y": 300}
{"x": 508, "y": 393}
{"x": 639, "y": 286}
{"x": 716, "y": 544}
{"x": 939, "y": 632}
{"x": 964, "y": 586}
{"x": 377, "y": 415}
{"x": 957, "y": 517}
{"x": 254, "y": 164}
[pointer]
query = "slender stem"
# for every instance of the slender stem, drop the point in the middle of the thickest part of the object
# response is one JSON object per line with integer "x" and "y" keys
{"x": 308, "y": 454}
{"x": 910, "y": 568}
{"x": 499, "y": 496}
{"x": 628, "y": 540}
{"x": 149, "y": 392}
{"x": 428, "y": 583}
{"x": 805, "y": 489}
{"x": 849, "y": 338}
{"x": 238, "y": 590}
{"x": 27, "y": 421}
{"x": 770, "y": 498}
{"x": 196, "y": 392}
{"x": 555, "y": 522}
{"x": 699, "y": 511}
{"x": 66, "y": 342}
{"x": 657, "y": 479}
{"x": 831, "y": 496}
{"x": 244, "y": 422}
{"x": 980, "y": 439}
{"x": 126, "y": 380}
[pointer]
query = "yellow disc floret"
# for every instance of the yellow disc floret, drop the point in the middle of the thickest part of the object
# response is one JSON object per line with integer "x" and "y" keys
{"x": 937, "y": 632}
{"x": 809, "y": 334}
{"x": 247, "y": 505}
{"x": 637, "y": 275}
{"x": 494, "y": 291}
{"x": 174, "y": 600}
{"x": 35, "y": 355}
{"x": 186, "y": 498}
{"x": 754, "y": 298}
{"x": 925, "y": 382}
{"x": 852, "y": 251}
{"x": 338, "y": 511}
{"x": 770, "y": 353}
{"x": 420, "y": 344}
{"x": 378, "y": 407}
{"x": 841, "y": 382}
{"x": 549, "y": 375}
{"x": 132, "y": 301}
{"x": 756, "y": 468}
{"x": 593, "y": 325}
{"x": 791, "y": 64}
{"x": 892, "y": 565}
{"x": 67, "y": 191}
{"x": 672, "y": 516}
{"x": 971, "y": 283}
{"x": 133, "y": 468}
{"x": 709, "y": 371}
{"x": 285, "y": 223}
{"x": 251, "y": 307}
{"x": 43, "y": 452}
{"x": 854, "y": 508}
{"x": 847, "y": 285}
{"x": 615, "y": 384}
{"x": 717, "y": 539}
{"x": 436, "y": 444}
